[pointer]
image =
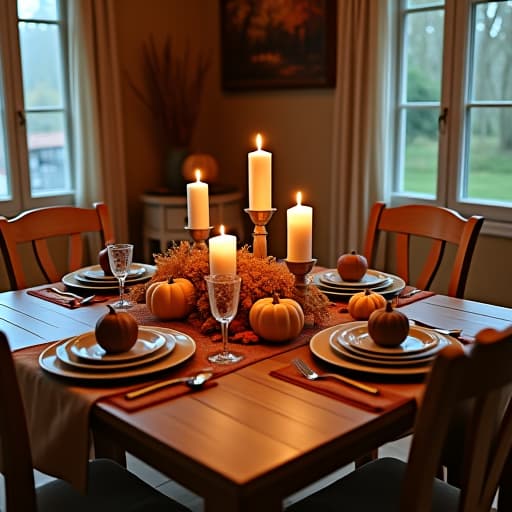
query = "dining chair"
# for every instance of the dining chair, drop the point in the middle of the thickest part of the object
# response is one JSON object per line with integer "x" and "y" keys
{"x": 41, "y": 226}
{"x": 440, "y": 226}
{"x": 481, "y": 372}
{"x": 110, "y": 486}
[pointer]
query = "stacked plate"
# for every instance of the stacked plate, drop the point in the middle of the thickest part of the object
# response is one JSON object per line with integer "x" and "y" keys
{"x": 330, "y": 282}
{"x": 350, "y": 346}
{"x": 81, "y": 357}
{"x": 93, "y": 277}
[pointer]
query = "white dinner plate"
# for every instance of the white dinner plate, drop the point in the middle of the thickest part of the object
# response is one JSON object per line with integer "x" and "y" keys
{"x": 86, "y": 347}
{"x": 72, "y": 281}
{"x": 394, "y": 289}
{"x": 372, "y": 278}
{"x": 347, "y": 351}
{"x": 321, "y": 348}
{"x": 419, "y": 339}
{"x": 317, "y": 280}
{"x": 66, "y": 355}
{"x": 97, "y": 274}
{"x": 184, "y": 349}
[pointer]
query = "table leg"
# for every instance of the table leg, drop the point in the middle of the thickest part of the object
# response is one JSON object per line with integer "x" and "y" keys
{"x": 105, "y": 447}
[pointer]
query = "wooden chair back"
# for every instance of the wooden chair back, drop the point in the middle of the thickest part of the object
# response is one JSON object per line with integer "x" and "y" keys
{"x": 480, "y": 376}
{"x": 440, "y": 225}
{"x": 41, "y": 225}
{"x": 15, "y": 454}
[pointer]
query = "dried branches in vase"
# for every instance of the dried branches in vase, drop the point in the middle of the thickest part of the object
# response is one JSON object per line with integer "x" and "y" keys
{"x": 172, "y": 94}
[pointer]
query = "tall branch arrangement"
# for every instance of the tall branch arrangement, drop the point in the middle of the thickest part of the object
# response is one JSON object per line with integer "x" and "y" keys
{"x": 173, "y": 90}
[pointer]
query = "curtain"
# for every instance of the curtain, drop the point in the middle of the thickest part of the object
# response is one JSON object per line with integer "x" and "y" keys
{"x": 95, "y": 96}
{"x": 361, "y": 120}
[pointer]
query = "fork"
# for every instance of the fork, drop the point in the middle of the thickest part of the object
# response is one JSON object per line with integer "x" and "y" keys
{"x": 310, "y": 374}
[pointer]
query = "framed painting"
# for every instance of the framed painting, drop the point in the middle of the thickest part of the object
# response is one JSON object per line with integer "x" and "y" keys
{"x": 278, "y": 43}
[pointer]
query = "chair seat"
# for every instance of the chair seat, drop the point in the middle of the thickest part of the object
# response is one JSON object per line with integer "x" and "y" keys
{"x": 354, "y": 493}
{"x": 111, "y": 488}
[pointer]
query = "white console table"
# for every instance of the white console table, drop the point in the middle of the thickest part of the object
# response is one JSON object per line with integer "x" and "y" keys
{"x": 165, "y": 218}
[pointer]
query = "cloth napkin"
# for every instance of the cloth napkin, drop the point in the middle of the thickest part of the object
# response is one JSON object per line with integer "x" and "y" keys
{"x": 339, "y": 391}
{"x": 68, "y": 302}
{"x": 155, "y": 397}
{"x": 403, "y": 300}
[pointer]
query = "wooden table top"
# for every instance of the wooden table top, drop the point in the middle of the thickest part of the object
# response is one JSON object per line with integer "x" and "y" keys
{"x": 252, "y": 440}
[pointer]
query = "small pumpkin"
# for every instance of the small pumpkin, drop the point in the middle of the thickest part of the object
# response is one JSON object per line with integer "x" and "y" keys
{"x": 116, "y": 331}
{"x": 362, "y": 304}
{"x": 171, "y": 299}
{"x": 103, "y": 259}
{"x": 388, "y": 327}
{"x": 352, "y": 266}
{"x": 276, "y": 319}
{"x": 206, "y": 163}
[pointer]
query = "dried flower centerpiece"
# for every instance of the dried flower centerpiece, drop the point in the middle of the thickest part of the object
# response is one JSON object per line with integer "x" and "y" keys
{"x": 261, "y": 277}
{"x": 172, "y": 95}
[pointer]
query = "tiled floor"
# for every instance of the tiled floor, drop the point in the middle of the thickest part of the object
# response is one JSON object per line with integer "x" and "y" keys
{"x": 398, "y": 449}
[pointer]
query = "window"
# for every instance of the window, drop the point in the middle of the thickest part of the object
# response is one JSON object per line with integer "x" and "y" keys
{"x": 34, "y": 148}
{"x": 454, "y": 107}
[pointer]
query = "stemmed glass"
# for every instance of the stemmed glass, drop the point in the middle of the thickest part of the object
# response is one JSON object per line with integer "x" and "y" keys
{"x": 223, "y": 294}
{"x": 120, "y": 259}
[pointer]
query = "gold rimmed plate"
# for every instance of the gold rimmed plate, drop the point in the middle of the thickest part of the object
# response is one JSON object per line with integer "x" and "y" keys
{"x": 184, "y": 349}
{"x": 320, "y": 346}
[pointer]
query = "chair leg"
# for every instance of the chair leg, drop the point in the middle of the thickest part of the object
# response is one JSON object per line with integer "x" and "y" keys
{"x": 367, "y": 457}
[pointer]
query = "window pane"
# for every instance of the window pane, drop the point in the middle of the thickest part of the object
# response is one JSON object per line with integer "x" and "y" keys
{"x": 4, "y": 181}
{"x": 49, "y": 166}
{"x": 492, "y": 52}
{"x": 38, "y": 9}
{"x": 489, "y": 175}
{"x": 424, "y": 43}
{"x": 41, "y": 64}
{"x": 421, "y": 3}
{"x": 420, "y": 159}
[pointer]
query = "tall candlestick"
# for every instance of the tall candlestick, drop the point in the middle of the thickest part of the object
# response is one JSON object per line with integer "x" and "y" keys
{"x": 260, "y": 178}
{"x": 198, "y": 208}
{"x": 222, "y": 253}
{"x": 299, "y": 231}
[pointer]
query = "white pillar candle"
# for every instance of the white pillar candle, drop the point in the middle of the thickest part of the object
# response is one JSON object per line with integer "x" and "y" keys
{"x": 260, "y": 178}
{"x": 222, "y": 253}
{"x": 299, "y": 231}
{"x": 198, "y": 208}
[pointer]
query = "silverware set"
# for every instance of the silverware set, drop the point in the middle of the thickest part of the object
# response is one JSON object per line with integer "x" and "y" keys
{"x": 80, "y": 300}
{"x": 310, "y": 374}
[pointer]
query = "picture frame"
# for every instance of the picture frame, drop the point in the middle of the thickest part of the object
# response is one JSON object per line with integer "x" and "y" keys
{"x": 271, "y": 44}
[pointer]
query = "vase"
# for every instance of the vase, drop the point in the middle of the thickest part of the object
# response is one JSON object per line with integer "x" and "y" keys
{"x": 173, "y": 175}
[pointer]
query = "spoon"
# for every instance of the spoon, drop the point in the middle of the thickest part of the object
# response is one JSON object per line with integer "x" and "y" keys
{"x": 193, "y": 381}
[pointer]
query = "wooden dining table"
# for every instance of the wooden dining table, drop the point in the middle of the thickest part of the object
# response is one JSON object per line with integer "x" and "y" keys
{"x": 252, "y": 439}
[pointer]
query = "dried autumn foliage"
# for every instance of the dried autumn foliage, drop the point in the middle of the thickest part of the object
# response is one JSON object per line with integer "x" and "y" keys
{"x": 261, "y": 277}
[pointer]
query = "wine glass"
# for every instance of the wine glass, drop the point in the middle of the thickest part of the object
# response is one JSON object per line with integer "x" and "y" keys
{"x": 120, "y": 259}
{"x": 223, "y": 294}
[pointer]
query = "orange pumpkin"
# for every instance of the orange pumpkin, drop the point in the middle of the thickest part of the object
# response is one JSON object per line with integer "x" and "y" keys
{"x": 171, "y": 299}
{"x": 352, "y": 266}
{"x": 276, "y": 319}
{"x": 388, "y": 327}
{"x": 206, "y": 163}
{"x": 116, "y": 331}
{"x": 362, "y": 304}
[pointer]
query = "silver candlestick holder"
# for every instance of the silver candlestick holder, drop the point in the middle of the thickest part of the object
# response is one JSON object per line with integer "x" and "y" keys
{"x": 199, "y": 235}
{"x": 260, "y": 219}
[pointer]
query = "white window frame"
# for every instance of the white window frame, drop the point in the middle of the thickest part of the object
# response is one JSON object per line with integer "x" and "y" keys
{"x": 16, "y": 137}
{"x": 454, "y": 98}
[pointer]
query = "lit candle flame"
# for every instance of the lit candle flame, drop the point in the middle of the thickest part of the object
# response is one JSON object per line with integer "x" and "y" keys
{"x": 222, "y": 229}
{"x": 198, "y": 174}
{"x": 259, "y": 141}
{"x": 299, "y": 198}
